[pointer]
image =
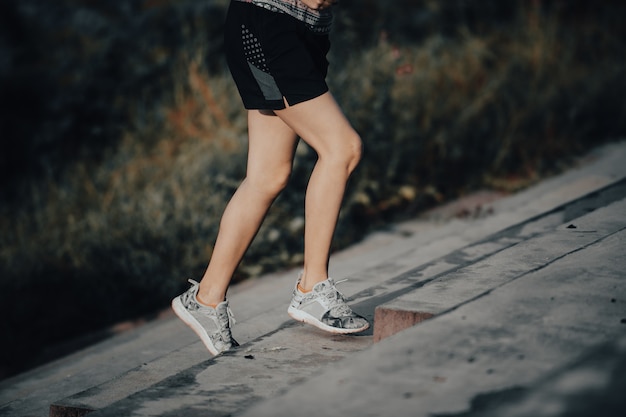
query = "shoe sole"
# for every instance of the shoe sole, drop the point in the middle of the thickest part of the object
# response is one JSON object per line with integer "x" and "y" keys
{"x": 305, "y": 317}
{"x": 190, "y": 321}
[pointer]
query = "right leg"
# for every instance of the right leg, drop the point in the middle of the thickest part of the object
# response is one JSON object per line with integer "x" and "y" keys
{"x": 271, "y": 148}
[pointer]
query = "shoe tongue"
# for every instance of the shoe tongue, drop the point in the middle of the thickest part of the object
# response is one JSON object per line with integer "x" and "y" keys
{"x": 222, "y": 307}
{"x": 321, "y": 286}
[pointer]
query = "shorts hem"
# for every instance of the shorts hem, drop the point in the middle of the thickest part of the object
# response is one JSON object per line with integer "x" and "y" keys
{"x": 292, "y": 100}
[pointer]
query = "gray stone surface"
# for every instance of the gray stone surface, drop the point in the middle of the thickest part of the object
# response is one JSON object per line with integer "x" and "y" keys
{"x": 508, "y": 337}
{"x": 238, "y": 379}
{"x": 510, "y": 261}
{"x": 592, "y": 385}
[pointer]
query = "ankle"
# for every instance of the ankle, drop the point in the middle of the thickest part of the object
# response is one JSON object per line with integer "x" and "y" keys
{"x": 200, "y": 299}
{"x": 306, "y": 284}
{"x": 207, "y": 298}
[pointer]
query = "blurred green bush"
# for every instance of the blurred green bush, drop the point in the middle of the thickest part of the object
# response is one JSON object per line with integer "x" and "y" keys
{"x": 123, "y": 137}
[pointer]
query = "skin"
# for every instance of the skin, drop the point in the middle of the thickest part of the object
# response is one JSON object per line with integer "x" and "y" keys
{"x": 271, "y": 147}
{"x": 318, "y": 4}
{"x": 273, "y": 136}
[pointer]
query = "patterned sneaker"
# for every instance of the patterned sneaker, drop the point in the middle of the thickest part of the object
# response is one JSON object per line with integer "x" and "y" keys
{"x": 325, "y": 307}
{"x": 211, "y": 324}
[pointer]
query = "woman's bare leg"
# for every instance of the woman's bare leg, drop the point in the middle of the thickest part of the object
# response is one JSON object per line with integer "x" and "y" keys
{"x": 321, "y": 123}
{"x": 270, "y": 155}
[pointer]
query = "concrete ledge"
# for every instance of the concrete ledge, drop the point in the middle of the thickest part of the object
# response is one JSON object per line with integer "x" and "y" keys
{"x": 60, "y": 410}
{"x": 495, "y": 345}
{"x": 389, "y": 321}
{"x": 233, "y": 381}
{"x": 468, "y": 283}
{"x": 591, "y": 385}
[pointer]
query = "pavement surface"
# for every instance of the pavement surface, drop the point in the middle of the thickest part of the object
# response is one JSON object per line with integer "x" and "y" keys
{"x": 526, "y": 300}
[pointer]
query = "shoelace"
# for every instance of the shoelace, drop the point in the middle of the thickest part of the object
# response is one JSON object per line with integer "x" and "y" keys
{"x": 231, "y": 317}
{"x": 225, "y": 331}
{"x": 335, "y": 296}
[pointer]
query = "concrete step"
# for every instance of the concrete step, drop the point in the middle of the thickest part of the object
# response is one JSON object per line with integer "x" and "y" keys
{"x": 292, "y": 354}
{"x": 511, "y": 253}
{"x": 538, "y": 327}
{"x": 592, "y": 385}
{"x": 234, "y": 381}
{"x": 383, "y": 266}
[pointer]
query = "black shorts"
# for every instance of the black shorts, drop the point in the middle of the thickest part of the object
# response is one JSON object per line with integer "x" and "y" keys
{"x": 272, "y": 56}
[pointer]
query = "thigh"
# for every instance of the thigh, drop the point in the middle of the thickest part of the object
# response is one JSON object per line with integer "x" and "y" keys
{"x": 321, "y": 124}
{"x": 271, "y": 145}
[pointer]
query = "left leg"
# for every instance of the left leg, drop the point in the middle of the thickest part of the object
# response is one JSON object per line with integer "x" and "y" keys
{"x": 271, "y": 147}
{"x": 270, "y": 153}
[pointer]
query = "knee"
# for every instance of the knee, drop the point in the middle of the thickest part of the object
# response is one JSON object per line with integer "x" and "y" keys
{"x": 270, "y": 183}
{"x": 357, "y": 151}
{"x": 353, "y": 151}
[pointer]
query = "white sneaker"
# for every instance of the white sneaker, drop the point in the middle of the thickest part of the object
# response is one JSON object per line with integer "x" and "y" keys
{"x": 325, "y": 308}
{"x": 211, "y": 324}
